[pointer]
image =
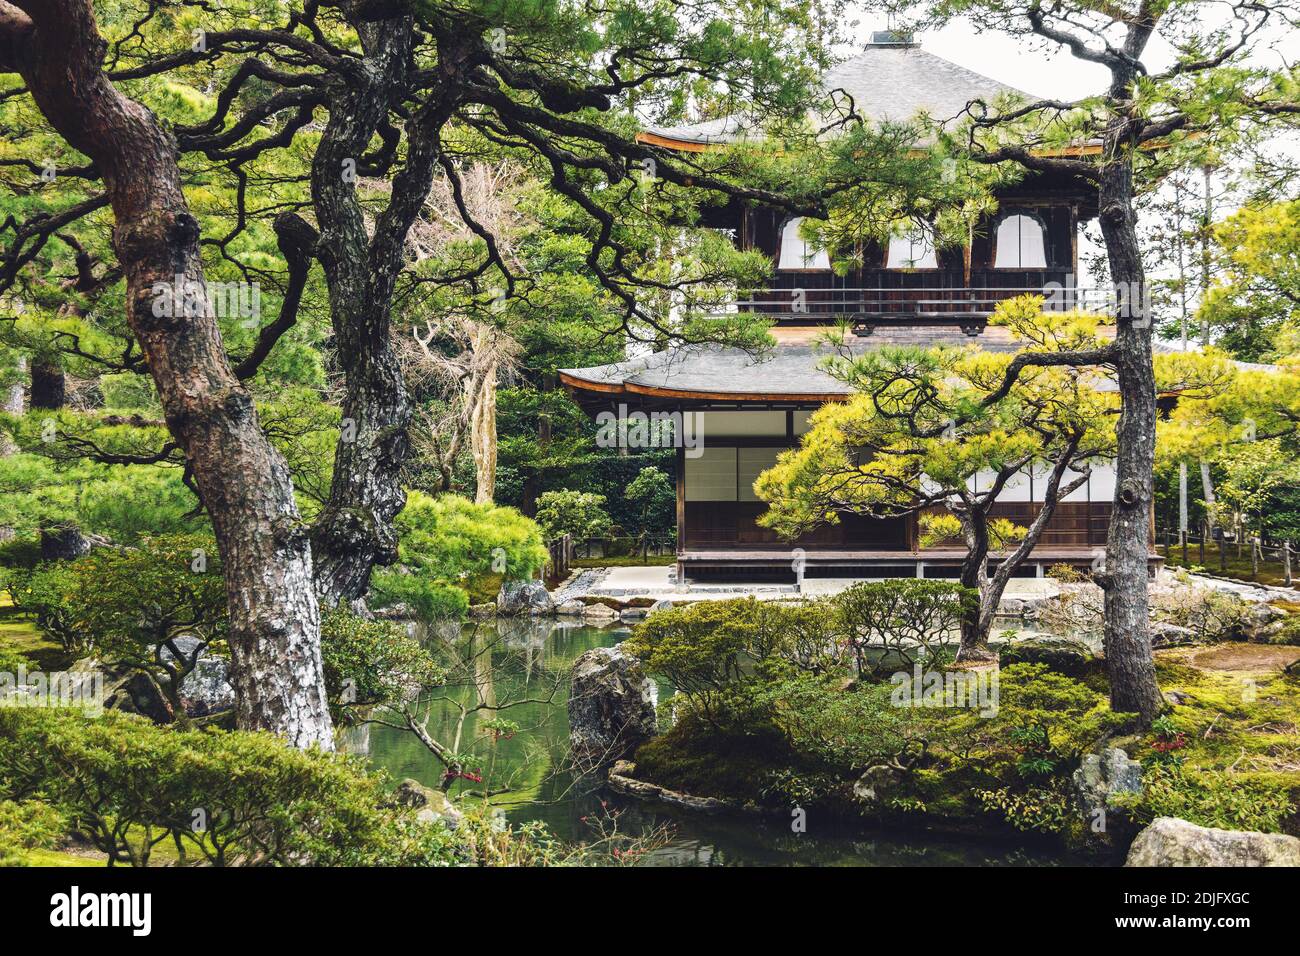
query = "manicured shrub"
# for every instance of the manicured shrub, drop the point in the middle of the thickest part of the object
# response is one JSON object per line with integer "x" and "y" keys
{"x": 448, "y": 543}
{"x": 43, "y": 591}
{"x": 579, "y": 513}
{"x": 20, "y": 553}
{"x": 719, "y": 653}
{"x": 29, "y": 825}
{"x": 846, "y": 730}
{"x": 372, "y": 663}
{"x": 225, "y": 798}
{"x": 122, "y": 604}
{"x": 430, "y": 599}
{"x": 900, "y": 620}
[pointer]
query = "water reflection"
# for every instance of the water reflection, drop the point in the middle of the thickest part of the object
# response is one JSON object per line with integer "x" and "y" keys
{"x": 517, "y": 669}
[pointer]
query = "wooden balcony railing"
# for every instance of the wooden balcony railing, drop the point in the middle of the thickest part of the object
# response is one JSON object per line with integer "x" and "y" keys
{"x": 960, "y": 304}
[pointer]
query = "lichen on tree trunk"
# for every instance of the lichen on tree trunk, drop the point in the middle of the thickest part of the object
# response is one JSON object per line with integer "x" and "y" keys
{"x": 244, "y": 483}
{"x": 1129, "y": 662}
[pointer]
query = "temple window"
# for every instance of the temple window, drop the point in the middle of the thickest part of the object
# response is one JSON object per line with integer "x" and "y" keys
{"x": 796, "y": 253}
{"x": 913, "y": 249}
{"x": 1020, "y": 244}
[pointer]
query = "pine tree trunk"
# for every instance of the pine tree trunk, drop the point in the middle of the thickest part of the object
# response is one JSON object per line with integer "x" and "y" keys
{"x": 274, "y": 624}
{"x": 355, "y": 529}
{"x": 483, "y": 425}
{"x": 1130, "y": 666}
{"x": 977, "y": 617}
{"x": 49, "y": 388}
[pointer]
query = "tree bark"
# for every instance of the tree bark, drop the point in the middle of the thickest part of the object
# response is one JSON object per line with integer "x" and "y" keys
{"x": 355, "y": 529}
{"x": 244, "y": 483}
{"x": 1129, "y": 663}
{"x": 483, "y": 421}
{"x": 978, "y": 622}
{"x": 977, "y": 619}
{"x": 49, "y": 389}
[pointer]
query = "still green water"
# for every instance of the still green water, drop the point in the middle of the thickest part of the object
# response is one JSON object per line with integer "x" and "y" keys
{"x": 526, "y": 661}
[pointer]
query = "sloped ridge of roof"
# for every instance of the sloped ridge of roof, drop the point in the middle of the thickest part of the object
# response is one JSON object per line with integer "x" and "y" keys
{"x": 789, "y": 370}
{"x": 887, "y": 83}
{"x": 895, "y": 83}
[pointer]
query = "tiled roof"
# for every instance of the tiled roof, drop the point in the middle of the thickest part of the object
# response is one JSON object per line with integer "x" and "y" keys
{"x": 885, "y": 82}
{"x": 789, "y": 369}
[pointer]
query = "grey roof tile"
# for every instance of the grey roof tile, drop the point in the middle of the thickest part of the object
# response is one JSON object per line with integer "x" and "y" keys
{"x": 886, "y": 82}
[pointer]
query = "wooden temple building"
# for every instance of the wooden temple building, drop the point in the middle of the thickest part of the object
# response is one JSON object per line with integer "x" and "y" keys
{"x": 905, "y": 292}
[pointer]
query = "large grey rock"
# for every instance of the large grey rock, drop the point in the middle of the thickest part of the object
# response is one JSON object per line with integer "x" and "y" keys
{"x": 524, "y": 597}
{"x": 128, "y": 689}
{"x": 1098, "y": 779}
{"x": 877, "y": 784}
{"x": 570, "y": 608}
{"x": 206, "y": 690}
{"x": 1065, "y": 655}
{"x": 599, "y": 613}
{"x": 401, "y": 611}
{"x": 1164, "y": 634}
{"x": 432, "y": 806}
{"x": 1169, "y": 841}
{"x": 1263, "y": 622}
{"x": 611, "y": 707}
{"x": 631, "y": 615}
{"x": 1011, "y": 607}
{"x": 1101, "y": 776}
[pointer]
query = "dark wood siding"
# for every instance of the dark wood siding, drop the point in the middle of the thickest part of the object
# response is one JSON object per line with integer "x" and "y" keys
{"x": 713, "y": 525}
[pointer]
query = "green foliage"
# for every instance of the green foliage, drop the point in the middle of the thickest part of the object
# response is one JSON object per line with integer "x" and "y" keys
{"x": 430, "y": 599}
{"x": 454, "y": 537}
{"x": 697, "y": 757}
{"x": 225, "y": 798}
{"x": 655, "y": 498}
{"x": 447, "y": 543}
{"x": 20, "y": 553}
{"x": 922, "y": 423}
{"x": 579, "y": 513}
{"x": 1257, "y": 268}
{"x": 1041, "y": 809}
{"x": 124, "y": 603}
{"x": 1067, "y": 574}
{"x": 905, "y": 618}
{"x": 1208, "y": 798}
{"x": 372, "y": 663}
{"x": 846, "y": 730}
{"x": 719, "y": 654}
{"x": 11, "y": 660}
{"x": 120, "y": 502}
{"x": 28, "y": 825}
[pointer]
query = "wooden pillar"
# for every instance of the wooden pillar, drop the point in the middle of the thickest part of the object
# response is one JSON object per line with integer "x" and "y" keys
{"x": 681, "y": 501}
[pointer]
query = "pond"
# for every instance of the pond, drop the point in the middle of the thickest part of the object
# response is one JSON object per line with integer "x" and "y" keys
{"x": 526, "y": 661}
